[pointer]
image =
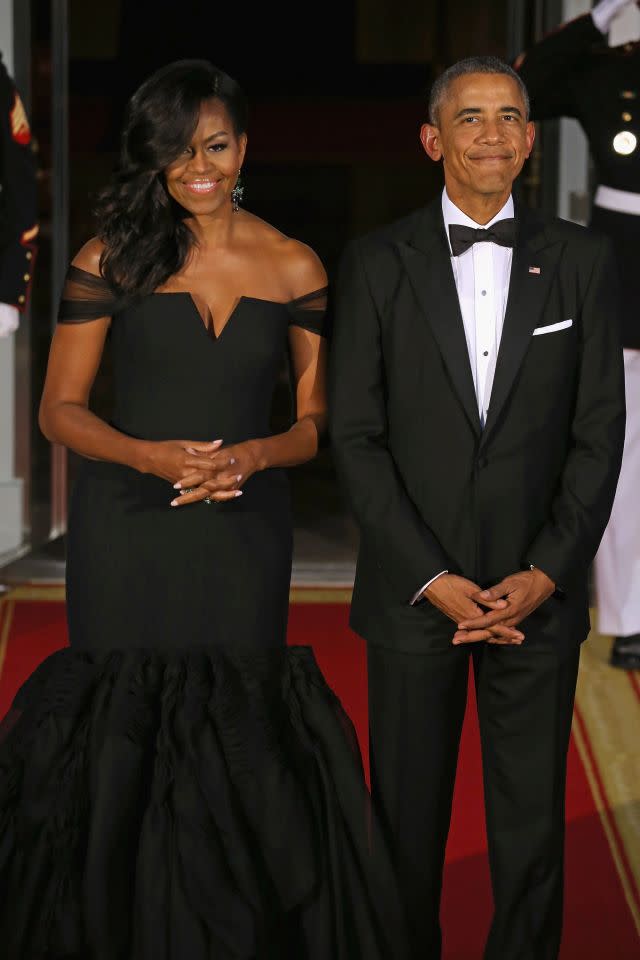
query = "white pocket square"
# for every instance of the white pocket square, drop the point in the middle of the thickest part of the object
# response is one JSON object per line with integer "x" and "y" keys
{"x": 552, "y": 327}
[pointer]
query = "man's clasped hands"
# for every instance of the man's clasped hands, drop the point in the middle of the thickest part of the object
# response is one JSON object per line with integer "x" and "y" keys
{"x": 492, "y": 615}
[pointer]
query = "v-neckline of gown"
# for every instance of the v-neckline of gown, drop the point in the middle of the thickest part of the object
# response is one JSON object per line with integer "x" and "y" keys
{"x": 210, "y": 331}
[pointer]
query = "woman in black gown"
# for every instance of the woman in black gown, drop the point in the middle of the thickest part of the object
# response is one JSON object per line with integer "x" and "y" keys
{"x": 178, "y": 785}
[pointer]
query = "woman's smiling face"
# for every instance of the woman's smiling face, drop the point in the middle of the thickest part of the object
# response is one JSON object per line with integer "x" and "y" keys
{"x": 202, "y": 178}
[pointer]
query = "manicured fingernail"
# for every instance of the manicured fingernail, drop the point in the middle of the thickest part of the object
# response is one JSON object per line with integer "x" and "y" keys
{"x": 233, "y": 460}
{"x": 174, "y": 503}
{"x": 216, "y": 441}
{"x": 239, "y": 477}
{"x": 485, "y": 594}
{"x": 177, "y": 486}
{"x": 238, "y": 493}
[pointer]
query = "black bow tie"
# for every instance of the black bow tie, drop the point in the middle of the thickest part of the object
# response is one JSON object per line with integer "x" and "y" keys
{"x": 502, "y": 232}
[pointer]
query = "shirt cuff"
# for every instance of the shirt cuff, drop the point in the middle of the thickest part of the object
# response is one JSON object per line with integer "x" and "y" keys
{"x": 533, "y": 567}
{"x": 417, "y": 595}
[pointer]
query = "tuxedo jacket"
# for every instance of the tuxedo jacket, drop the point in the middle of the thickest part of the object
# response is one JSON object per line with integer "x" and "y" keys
{"x": 430, "y": 488}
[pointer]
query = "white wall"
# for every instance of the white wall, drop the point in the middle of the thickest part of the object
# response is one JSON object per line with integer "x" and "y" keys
{"x": 6, "y": 32}
{"x": 10, "y": 486}
{"x": 573, "y": 172}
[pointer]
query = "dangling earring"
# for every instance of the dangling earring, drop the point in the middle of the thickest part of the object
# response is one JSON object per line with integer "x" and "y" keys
{"x": 237, "y": 193}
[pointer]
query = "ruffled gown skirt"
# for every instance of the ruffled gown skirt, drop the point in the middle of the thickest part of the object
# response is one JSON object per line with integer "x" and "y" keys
{"x": 198, "y": 802}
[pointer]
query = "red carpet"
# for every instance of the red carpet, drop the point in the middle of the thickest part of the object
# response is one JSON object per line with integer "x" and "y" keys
{"x": 598, "y": 916}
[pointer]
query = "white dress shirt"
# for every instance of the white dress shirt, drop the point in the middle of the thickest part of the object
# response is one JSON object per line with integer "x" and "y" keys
{"x": 482, "y": 277}
{"x": 482, "y": 274}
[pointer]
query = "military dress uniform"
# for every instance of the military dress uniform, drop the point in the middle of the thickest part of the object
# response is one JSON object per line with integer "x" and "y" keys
{"x": 18, "y": 212}
{"x": 573, "y": 73}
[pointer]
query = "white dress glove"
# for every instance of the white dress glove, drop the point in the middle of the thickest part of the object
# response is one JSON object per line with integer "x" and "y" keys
{"x": 605, "y": 12}
{"x": 9, "y": 319}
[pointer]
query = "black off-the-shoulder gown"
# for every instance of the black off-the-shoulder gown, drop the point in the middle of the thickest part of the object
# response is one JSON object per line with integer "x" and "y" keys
{"x": 178, "y": 784}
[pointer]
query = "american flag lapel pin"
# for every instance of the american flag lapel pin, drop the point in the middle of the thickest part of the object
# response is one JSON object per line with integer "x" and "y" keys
{"x": 534, "y": 270}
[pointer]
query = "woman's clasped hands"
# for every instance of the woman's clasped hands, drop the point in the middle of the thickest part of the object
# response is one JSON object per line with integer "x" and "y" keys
{"x": 216, "y": 473}
{"x": 203, "y": 471}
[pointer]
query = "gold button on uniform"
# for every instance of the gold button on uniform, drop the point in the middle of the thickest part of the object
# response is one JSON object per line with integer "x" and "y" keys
{"x": 29, "y": 255}
{"x": 27, "y": 277}
{"x": 626, "y": 117}
{"x": 21, "y": 298}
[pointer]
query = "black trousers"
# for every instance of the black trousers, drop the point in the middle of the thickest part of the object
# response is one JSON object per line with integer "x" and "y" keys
{"x": 525, "y": 702}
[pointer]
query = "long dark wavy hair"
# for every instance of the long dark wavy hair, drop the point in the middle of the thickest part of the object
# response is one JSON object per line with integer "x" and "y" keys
{"x": 142, "y": 227}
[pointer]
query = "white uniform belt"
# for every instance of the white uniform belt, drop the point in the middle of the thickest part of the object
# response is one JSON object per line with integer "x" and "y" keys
{"x": 622, "y": 201}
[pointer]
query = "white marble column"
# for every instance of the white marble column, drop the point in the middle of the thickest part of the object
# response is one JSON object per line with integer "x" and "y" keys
{"x": 10, "y": 485}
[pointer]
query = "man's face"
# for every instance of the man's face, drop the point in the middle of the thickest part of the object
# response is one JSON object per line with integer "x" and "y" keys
{"x": 482, "y": 136}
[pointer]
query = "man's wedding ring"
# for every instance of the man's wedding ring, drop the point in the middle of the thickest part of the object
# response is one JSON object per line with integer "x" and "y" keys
{"x": 208, "y": 501}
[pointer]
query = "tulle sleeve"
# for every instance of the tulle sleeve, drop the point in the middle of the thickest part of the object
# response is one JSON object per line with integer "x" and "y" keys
{"x": 311, "y": 312}
{"x": 85, "y": 297}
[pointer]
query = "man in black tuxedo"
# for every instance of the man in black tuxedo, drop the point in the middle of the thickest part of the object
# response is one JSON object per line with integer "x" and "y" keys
{"x": 477, "y": 417}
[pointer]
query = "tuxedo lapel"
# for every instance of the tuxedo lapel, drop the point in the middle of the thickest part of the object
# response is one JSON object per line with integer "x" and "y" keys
{"x": 534, "y": 263}
{"x": 427, "y": 260}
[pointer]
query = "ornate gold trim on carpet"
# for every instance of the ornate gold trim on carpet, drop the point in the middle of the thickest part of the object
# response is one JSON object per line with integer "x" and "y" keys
{"x": 605, "y": 728}
{"x": 51, "y": 592}
{"x": 7, "y": 605}
{"x": 320, "y": 595}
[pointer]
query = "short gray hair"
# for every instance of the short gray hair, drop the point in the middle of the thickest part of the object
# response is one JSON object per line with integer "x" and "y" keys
{"x": 463, "y": 68}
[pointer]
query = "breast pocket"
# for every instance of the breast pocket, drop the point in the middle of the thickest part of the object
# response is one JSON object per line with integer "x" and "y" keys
{"x": 550, "y": 366}
{"x": 552, "y": 328}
